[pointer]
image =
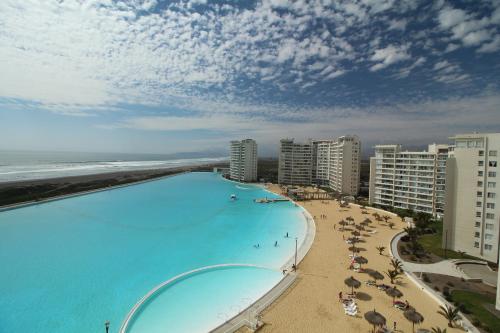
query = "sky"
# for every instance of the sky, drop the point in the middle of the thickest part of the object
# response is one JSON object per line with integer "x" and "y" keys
{"x": 148, "y": 76}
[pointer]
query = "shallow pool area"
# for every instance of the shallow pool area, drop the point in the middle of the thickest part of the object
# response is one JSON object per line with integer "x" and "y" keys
{"x": 69, "y": 265}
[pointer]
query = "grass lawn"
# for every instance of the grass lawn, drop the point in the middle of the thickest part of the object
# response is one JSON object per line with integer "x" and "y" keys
{"x": 474, "y": 303}
{"x": 432, "y": 243}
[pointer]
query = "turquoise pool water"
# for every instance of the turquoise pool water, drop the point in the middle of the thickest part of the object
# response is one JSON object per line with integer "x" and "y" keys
{"x": 69, "y": 265}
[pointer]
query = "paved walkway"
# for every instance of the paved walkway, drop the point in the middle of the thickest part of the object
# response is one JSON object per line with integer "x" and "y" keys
{"x": 445, "y": 267}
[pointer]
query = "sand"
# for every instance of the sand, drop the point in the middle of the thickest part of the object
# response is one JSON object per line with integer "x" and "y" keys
{"x": 312, "y": 303}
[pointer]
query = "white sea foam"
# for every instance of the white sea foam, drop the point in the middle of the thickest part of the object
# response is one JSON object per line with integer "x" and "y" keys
{"x": 31, "y": 171}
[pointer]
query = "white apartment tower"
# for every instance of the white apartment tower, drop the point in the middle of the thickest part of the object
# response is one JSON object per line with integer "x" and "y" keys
{"x": 408, "y": 180}
{"x": 243, "y": 160}
{"x": 295, "y": 163}
{"x": 331, "y": 163}
{"x": 345, "y": 164}
{"x": 472, "y": 210}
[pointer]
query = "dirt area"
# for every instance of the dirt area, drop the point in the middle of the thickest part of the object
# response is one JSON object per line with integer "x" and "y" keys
{"x": 443, "y": 282}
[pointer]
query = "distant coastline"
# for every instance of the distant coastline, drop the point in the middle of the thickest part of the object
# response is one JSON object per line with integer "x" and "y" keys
{"x": 30, "y": 191}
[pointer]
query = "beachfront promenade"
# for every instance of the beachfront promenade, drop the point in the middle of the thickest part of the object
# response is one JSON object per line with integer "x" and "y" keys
{"x": 312, "y": 302}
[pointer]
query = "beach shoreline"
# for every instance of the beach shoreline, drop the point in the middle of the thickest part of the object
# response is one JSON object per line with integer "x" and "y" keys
{"x": 311, "y": 303}
{"x": 16, "y": 193}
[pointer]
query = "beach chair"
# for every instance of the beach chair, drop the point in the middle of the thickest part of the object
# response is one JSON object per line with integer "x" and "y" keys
{"x": 373, "y": 232}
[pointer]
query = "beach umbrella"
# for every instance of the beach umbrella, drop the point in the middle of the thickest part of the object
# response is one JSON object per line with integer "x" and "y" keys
{"x": 375, "y": 318}
{"x": 343, "y": 224}
{"x": 414, "y": 317}
{"x": 359, "y": 227}
{"x": 353, "y": 283}
{"x": 394, "y": 293}
{"x": 353, "y": 249}
{"x": 376, "y": 275}
{"x": 361, "y": 260}
{"x": 355, "y": 233}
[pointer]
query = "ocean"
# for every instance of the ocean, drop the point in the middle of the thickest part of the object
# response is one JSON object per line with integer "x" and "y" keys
{"x": 25, "y": 165}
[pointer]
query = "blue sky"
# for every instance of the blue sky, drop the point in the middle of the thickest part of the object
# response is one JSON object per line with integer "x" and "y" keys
{"x": 177, "y": 76}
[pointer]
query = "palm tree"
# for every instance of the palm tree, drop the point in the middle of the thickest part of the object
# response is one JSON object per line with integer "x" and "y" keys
{"x": 438, "y": 330}
{"x": 380, "y": 249}
{"x": 393, "y": 275}
{"x": 397, "y": 265}
{"x": 449, "y": 313}
{"x": 412, "y": 232}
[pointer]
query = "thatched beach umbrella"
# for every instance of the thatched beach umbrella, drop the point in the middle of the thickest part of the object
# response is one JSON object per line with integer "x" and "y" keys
{"x": 343, "y": 224}
{"x": 360, "y": 260}
{"x": 414, "y": 317}
{"x": 376, "y": 275}
{"x": 355, "y": 233}
{"x": 394, "y": 293}
{"x": 375, "y": 318}
{"x": 353, "y": 283}
{"x": 354, "y": 249}
{"x": 359, "y": 227}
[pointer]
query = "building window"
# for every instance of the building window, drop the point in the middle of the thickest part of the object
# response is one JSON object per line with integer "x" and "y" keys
{"x": 480, "y": 184}
{"x": 493, "y": 153}
{"x": 492, "y": 174}
{"x": 479, "y": 204}
{"x": 488, "y": 247}
{"x": 480, "y": 194}
{"x": 493, "y": 164}
{"x": 481, "y": 153}
{"x": 491, "y": 195}
{"x": 480, "y": 163}
{"x": 476, "y": 234}
{"x": 488, "y": 236}
{"x": 478, "y": 214}
{"x": 489, "y": 226}
{"x": 491, "y": 184}
{"x": 478, "y": 224}
{"x": 476, "y": 244}
{"x": 490, "y": 216}
{"x": 480, "y": 173}
{"x": 490, "y": 205}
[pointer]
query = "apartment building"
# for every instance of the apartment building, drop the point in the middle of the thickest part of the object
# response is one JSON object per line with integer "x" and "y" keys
{"x": 472, "y": 210}
{"x": 409, "y": 179}
{"x": 329, "y": 163}
{"x": 295, "y": 163}
{"x": 243, "y": 160}
{"x": 344, "y": 165}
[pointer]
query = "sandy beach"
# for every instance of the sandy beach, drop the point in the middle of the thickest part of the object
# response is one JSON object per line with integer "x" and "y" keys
{"x": 312, "y": 303}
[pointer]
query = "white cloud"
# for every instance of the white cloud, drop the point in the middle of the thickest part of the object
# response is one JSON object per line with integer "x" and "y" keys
{"x": 388, "y": 56}
{"x": 492, "y": 46}
{"x": 397, "y": 25}
{"x": 449, "y": 17}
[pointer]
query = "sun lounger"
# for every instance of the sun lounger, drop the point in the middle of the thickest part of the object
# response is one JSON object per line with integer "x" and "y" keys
{"x": 351, "y": 313}
{"x": 372, "y": 232}
{"x": 371, "y": 283}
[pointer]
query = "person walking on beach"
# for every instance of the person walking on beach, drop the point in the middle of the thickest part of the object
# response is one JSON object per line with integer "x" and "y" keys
{"x": 340, "y": 296}
{"x": 286, "y": 235}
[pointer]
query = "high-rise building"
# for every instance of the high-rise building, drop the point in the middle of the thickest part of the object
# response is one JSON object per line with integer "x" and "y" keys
{"x": 329, "y": 163}
{"x": 345, "y": 159}
{"x": 472, "y": 209}
{"x": 295, "y": 163}
{"x": 408, "y": 180}
{"x": 243, "y": 160}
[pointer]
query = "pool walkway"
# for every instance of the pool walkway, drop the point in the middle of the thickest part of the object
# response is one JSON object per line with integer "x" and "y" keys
{"x": 130, "y": 316}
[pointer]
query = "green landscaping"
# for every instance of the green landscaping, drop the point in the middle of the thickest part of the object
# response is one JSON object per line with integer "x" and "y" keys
{"x": 432, "y": 243}
{"x": 474, "y": 303}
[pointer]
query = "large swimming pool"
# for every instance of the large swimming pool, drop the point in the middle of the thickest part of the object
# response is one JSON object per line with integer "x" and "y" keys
{"x": 69, "y": 265}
